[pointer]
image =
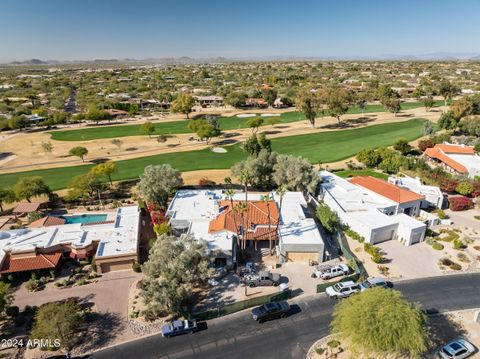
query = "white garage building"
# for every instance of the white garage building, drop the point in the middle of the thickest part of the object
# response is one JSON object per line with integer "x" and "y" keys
{"x": 373, "y": 216}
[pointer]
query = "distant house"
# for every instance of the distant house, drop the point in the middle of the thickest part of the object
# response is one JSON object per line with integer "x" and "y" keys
{"x": 210, "y": 101}
{"x": 117, "y": 113}
{"x": 459, "y": 159}
{"x": 256, "y": 102}
{"x": 35, "y": 119}
{"x": 375, "y": 209}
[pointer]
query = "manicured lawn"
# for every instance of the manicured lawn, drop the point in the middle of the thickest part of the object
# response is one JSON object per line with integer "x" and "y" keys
{"x": 178, "y": 127}
{"x": 317, "y": 147}
{"x": 353, "y": 173}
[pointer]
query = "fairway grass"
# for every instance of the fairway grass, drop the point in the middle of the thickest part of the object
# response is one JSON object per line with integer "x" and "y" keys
{"x": 179, "y": 127}
{"x": 317, "y": 147}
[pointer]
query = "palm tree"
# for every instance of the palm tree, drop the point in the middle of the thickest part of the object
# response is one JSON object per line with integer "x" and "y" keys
{"x": 280, "y": 192}
{"x": 245, "y": 179}
{"x": 266, "y": 199}
{"x": 229, "y": 193}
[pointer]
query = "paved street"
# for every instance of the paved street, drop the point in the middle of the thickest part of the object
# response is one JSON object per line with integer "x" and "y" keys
{"x": 237, "y": 336}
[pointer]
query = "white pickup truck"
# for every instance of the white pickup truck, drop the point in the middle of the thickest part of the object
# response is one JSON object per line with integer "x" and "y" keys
{"x": 331, "y": 272}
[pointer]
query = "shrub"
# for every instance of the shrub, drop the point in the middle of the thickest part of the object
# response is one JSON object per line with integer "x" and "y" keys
{"x": 354, "y": 235}
{"x": 451, "y": 235}
{"x": 32, "y": 285}
{"x": 455, "y": 266}
{"x": 437, "y": 246}
{"x": 327, "y": 218}
{"x": 137, "y": 267}
{"x": 441, "y": 214}
{"x": 477, "y": 248}
{"x": 12, "y": 311}
{"x": 385, "y": 271}
{"x": 464, "y": 188}
{"x": 460, "y": 203}
{"x": 81, "y": 281}
{"x": 424, "y": 144}
{"x": 462, "y": 257}
{"x": 94, "y": 264}
{"x": 377, "y": 258}
{"x": 446, "y": 262}
{"x": 204, "y": 181}
{"x": 458, "y": 244}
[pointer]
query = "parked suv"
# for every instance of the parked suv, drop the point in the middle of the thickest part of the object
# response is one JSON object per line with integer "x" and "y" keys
{"x": 331, "y": 272}
{"x": 269, "y": 311}
{"x": 263, "y": 278}
{"x": 342, "y": 289}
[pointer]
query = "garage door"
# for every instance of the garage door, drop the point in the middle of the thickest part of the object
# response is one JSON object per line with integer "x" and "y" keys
{"x": 302, "y": 256}
{"x": 114, "y": 266}
{"x": 383, "y": 236}
{"x": 416, "y": 238}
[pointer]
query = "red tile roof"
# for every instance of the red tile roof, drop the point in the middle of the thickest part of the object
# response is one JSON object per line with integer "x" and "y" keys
{"x": 26, "y": 207}
{"x": 47, "y": 221}
{"x": 458, "y": 149}
{"x": 35, "y": 262}
{"x": 439, "y": 152}
{"x": 385, "y": 189}
{"x": 256, "y": 220}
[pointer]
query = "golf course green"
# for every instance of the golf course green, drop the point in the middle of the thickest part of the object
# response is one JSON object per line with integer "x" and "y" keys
{"x": 179, "y": 127}
{"x": 317, "y": 147}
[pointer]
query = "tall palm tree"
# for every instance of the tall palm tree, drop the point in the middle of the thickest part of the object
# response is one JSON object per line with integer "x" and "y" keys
{"x": 266, "y": 199}
{"x": 280, "y": 192}
{"x": 245, "y": 179}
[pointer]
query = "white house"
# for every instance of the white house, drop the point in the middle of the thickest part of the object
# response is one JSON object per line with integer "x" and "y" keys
{"x": 207, "y": 214}
{"x": 433, "y": 195}
{"x": 376, "y": 217}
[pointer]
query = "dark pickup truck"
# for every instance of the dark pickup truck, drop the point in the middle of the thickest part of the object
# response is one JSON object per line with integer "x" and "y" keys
{"x": 270, "y": 311}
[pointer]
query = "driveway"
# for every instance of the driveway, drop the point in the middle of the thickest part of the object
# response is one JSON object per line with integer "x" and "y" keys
{"x": 465, "y": 219}
{"x": 417, "y": 261}
{"x": 110, "y": 293}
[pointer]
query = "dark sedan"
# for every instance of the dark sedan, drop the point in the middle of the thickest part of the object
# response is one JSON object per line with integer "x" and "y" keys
{"x": 179, "y": 327}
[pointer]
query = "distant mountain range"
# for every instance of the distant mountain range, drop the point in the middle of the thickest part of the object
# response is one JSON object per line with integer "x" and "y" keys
{"x": 436, "y": 56}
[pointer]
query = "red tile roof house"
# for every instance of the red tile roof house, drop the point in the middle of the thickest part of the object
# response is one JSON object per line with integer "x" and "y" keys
{"x": 407, "y": 202}
{"x": 457, "y": 159}
{"x": 114, "y": 243}
{"x": 208, "y": 215}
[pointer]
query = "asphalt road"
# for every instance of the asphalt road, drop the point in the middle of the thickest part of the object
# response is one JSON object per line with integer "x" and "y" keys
{"x": 238, "y": 336}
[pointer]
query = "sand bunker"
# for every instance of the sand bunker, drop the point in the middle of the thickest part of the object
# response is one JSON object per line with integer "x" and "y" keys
{"x": 270, "y": 115}
{"x": 243, "y": 115}
{"x": 219, "y": 150}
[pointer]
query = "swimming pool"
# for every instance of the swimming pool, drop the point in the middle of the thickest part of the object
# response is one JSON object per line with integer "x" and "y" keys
{"x": 85, "y": 218}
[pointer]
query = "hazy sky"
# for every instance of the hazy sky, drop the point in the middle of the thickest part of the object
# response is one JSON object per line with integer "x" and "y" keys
{"x": 88, "y": 29}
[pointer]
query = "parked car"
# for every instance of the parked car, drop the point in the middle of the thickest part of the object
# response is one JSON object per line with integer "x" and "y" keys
{"x": 263, "y": 278}
{"x": 457, "y": 349}
{"x": 342, "y": 289}
{"x": 372, "y": 283}
{"x": 270, "y": 311}
{"x": 331, "y": 272}
{"x": 179, "y": 327}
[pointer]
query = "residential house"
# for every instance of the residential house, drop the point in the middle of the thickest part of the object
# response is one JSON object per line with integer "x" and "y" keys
{"x": 209, "y": 215}
{"x": 114, "y": 243}
{"x": 210, "y": 101}
{"x": 459, "y": 159}
{"x": 376, "y": 210}
{"x": 434, "y": 197}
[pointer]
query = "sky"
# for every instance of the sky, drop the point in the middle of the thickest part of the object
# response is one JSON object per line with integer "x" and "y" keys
{"x": 101, "y": 29}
